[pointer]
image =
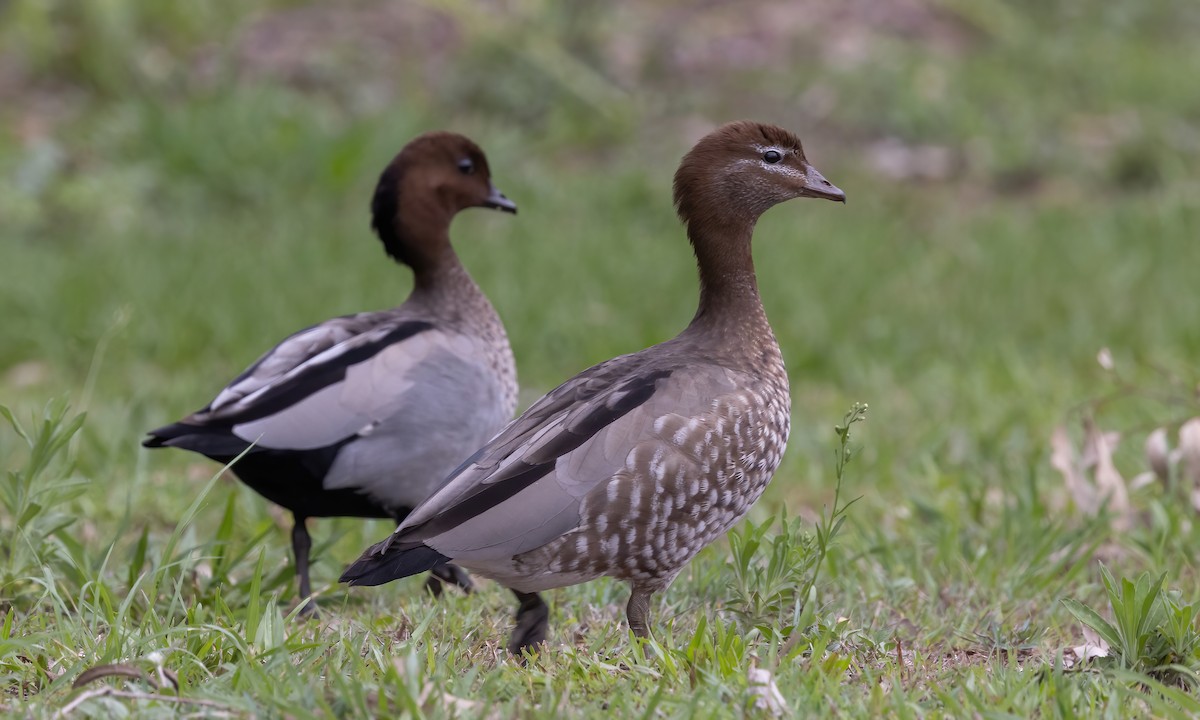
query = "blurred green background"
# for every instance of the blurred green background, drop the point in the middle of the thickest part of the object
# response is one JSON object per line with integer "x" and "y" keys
{"x": 183, "y": 184}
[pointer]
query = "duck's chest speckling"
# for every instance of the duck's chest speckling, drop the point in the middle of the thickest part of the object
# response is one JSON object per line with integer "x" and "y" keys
{"x": 680, "y": 489}
{"x": 502, "y": 364}
{"x": 482, "y": 322}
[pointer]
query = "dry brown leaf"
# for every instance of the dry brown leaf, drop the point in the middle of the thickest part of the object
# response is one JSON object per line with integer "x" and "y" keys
{"x": 27, "y": 374}
{"x": 1064, "y": 460}
{"x": 1158, "y": 454}
{"x": 1096, "y": 444}
{"x": 1109, "y": 483}
{"x": 1093, "y": 646}
{"x": 99, "y": 672}
{"x": 1105, "y": 486}
{"x": 213, "y": 709}
{"x": 167, "y": 677}
{"x": 1142, "y": 479}
{"x": 452, "y": 705}
{"x": 1189, "y": 450}
{"x": 766, "y": 693}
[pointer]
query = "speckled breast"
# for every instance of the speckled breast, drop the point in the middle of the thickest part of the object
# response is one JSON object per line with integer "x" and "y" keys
{"x": 680, "y": 489}
{"x": 498, "y": 352}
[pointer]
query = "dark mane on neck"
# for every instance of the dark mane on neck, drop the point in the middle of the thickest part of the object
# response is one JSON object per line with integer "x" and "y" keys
{"x": 385, "y": 213}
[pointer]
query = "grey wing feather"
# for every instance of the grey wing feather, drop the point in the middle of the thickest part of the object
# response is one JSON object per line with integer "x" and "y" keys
{"x": 372, "y": 391}
{"x": 294, "y": 351}
{"x": 438, "y": 407}
{"x": 313, "y": 392}
{"x": 516, "y": 447}
{"x": 566, "y": 446}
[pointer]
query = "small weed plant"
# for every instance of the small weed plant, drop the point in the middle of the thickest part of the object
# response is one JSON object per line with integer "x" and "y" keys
{"x": 776, "y": 575}
{"x": 1152, "y": 633}
{"x": 34, "y": 495}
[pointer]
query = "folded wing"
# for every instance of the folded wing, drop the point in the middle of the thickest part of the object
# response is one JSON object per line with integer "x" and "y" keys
{"x": 526, "y": 486}
{"x": 315, "y": 389}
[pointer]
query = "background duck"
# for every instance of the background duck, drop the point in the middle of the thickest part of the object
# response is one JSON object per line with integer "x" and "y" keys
{"x": 633, "y": 466}
{"x": 363, "y": 415}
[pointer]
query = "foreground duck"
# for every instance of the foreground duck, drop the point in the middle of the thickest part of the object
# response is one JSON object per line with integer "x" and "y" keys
{"x": 363, "y": 415}
{"x": 633, "y": 466}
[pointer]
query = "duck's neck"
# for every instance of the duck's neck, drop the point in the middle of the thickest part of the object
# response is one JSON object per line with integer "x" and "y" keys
{"x": 443, "y": 277}
{"x": 729, "y": 296}
{"x": 439, "y": 278}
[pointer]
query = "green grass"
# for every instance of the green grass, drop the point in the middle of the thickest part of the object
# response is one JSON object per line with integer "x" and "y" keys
{"x": 169, "y": 209}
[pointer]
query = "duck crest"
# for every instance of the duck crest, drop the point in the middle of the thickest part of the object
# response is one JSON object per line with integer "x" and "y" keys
{"x": 385, "y": 213}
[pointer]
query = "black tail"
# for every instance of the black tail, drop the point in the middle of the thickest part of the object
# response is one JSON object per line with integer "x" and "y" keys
{"x": 388, "y": 561}
{"x": 218, "y": 443}
{"x": 161, "y": 437}
{"x": 154, "y": 441}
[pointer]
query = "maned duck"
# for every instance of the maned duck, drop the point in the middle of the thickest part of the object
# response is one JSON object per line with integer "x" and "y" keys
{"x": 632, "y": 467}
{"x": 363, "y": 415}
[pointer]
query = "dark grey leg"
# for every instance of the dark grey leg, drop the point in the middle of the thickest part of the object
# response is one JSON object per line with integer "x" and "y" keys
{"x": 450, "y": 573}
{"x": 638, "y": 612}
{"x": 301, "y": 545}
{"x": 533, "y": 622}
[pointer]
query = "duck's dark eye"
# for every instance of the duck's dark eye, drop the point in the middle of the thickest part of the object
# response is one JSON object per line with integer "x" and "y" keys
{"x": 466, "y": 166}
{"x": 772, "y": 156}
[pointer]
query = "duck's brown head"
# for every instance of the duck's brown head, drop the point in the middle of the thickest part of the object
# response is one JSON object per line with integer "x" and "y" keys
{"x": 434, "y": 176}
{"x": 741, "y": 169}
